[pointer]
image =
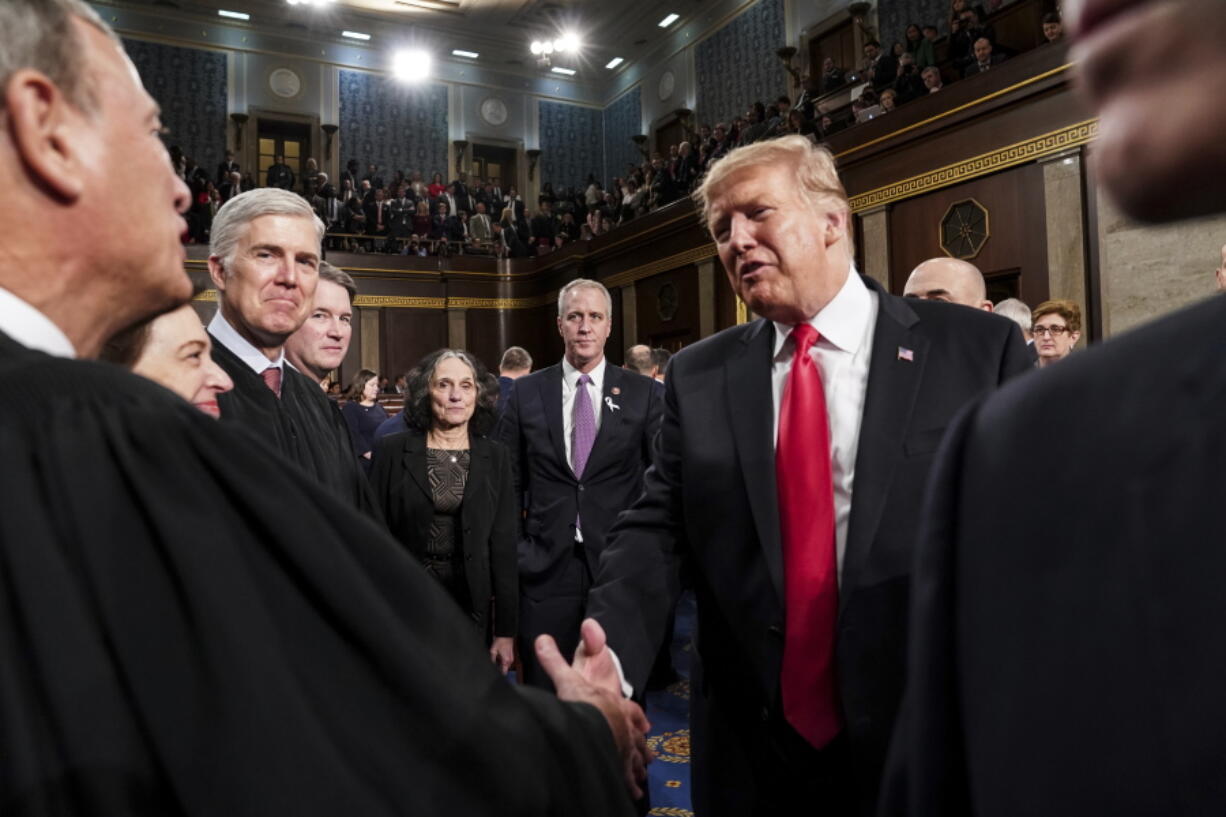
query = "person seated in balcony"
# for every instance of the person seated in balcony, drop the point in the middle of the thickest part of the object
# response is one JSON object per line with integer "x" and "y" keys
{"x": 908, "y": 85}
{"x": 984, "y": 58}
{"x": 1053, "y": 28}
{"x": 920, "y": 47}
{"x": 932, "y": 79}
{"x": 888, "y": 100}
{"x": 832, "y": 77}
{"x": 479, "y": 226}
{"x": 378, "y": 215}
{"x": 438, "y": 224}
{"x": 544, "y": 223}
{"x": 882, "y": 67}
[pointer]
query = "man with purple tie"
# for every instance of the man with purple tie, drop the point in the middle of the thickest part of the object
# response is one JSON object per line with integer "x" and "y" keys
{"x": 580, "y": 436}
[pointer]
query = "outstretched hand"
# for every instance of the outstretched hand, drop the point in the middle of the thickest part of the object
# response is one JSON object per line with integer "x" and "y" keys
{"x": 625, "y": 718}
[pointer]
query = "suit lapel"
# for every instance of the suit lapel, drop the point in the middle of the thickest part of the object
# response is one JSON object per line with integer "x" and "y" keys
{"x": 551, "y": 402}
{"x": 414, "y": 454}
{"x": 747, "y": 380}
{"x": 893, "y": 383}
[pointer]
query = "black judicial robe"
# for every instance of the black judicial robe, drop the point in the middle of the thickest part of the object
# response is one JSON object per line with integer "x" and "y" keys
{"x": 172, "y": 641}
{"x": 303, "y": 425}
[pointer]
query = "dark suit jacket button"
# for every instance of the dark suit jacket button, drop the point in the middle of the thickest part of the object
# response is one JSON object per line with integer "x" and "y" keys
{"x": 468, "y": 556}
{"x": 580, "y": 487}
{"x": 775, "y": 629}
{"x": 766, "y": 714}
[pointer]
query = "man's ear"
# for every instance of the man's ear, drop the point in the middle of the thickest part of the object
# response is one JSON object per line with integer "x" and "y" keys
{"x": 47, "y": 133}
{"x": 836, "y": 224}
{"x": 217, "y": 272}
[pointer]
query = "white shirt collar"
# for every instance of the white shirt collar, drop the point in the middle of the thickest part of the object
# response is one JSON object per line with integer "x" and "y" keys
{"x": 229, "y": 337}
{"x": 570, "y": 375}
{"x": 841, "y": 322}
{"x": 31, "y": 328}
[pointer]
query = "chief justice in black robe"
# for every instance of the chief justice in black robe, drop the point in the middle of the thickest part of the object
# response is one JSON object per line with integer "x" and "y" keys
{"x": 187, "y": 628}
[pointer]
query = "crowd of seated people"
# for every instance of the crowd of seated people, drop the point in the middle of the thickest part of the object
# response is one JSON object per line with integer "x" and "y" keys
{"x": 405, "y": 214}
{"x": 912, "y": 66}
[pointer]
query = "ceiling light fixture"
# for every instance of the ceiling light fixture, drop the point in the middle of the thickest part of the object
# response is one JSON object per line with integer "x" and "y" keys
{"x": 613, "y": 63}
{"x": 568, "y": 42}
{"x": 557, "y": 69}
{"x": 411, "y": 64}
{"x": 233, "y": 15}
{"x": 472, "y": 55}
{"x": 355, "y": 35}
{"x": 669, "y": 20}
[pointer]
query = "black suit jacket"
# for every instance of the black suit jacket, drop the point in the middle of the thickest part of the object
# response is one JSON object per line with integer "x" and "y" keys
{"x": 531, "y": 428}
{"x": 711, "y": 498}
{"x": 303, "y": 424}
{"x": 1066, "y": 656}
{"x": 489, "y": 519}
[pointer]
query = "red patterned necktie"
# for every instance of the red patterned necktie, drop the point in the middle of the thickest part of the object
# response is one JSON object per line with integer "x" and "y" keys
{"x": 806, "y": 518}
{"x": 272, "y": 379}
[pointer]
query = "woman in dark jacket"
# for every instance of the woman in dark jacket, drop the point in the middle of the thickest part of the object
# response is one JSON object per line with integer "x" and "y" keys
{"x": 447, "y": 494}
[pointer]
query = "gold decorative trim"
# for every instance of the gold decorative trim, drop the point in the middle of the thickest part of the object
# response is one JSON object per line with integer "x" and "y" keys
{"x": 976, "y": 166}
{"x": 502, "y": 303}
{"x": 404, "y": 301}
{"x": 208, "y": 296}
{"x": 699, "y": 253}
{"x": 958, "y": 109}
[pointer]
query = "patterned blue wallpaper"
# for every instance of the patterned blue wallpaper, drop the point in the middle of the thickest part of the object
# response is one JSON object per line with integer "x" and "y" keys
{"x": 737, "y": 65}
{"x": 894, "y": 17}
{"x": 572, "y": 144}
{"x": 190, "y": 85}
{"x": 622, "y": 119}
{"x": 396, "y": 126}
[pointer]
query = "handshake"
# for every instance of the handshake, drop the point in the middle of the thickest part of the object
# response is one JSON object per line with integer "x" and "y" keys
{"x": 594, "y": 678}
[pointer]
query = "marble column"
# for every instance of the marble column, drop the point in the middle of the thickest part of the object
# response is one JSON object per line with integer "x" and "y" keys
{"x": 875, "y": 227}
{"x": 1066, "y": 272}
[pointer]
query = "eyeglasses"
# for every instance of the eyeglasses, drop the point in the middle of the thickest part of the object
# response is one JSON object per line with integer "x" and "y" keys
{"x": 1054, "y": 331}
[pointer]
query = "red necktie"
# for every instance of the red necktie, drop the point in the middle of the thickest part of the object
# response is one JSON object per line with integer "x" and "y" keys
{"x": 810, "y": 570}
{"x": 272, "y": 379}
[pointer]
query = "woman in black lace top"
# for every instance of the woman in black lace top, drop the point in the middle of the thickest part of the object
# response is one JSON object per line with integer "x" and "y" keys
{"x": 447, "y": 494}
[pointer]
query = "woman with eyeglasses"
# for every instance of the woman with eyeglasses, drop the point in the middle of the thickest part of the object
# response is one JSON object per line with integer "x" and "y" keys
{"x": 1056, "y": 330}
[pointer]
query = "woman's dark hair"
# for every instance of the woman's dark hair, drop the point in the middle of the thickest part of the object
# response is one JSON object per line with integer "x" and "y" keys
{"x": 126, "y": 347}
{"x": 358, "y": 385}
{"x": 417, "y": 404}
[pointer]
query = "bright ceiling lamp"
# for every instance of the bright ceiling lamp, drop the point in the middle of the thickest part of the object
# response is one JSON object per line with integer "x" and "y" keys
{"x": 669, "y": 20}
{"x": 411, "y": 64}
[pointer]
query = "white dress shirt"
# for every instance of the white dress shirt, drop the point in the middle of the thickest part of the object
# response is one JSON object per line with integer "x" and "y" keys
{"x": 31, "y": 328}
{"x": 229, "y": 337}
{"x": 842, "y": 354}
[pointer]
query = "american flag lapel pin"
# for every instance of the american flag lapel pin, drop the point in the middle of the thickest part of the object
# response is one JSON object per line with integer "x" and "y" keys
{"x": 906, "y": 354}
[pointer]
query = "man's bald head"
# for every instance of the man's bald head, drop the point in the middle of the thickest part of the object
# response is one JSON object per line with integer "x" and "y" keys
{"x": 638, "y": 359}
{"x": 948, "y": 279}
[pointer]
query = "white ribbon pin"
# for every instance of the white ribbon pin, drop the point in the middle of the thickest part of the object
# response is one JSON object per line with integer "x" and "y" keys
{"x": 608, "y": 401}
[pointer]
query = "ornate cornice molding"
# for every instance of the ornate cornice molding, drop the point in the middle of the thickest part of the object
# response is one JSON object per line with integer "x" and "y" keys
{"x": 1018, "y": 153}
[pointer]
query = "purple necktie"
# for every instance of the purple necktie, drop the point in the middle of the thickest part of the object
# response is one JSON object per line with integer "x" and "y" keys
{"x": 585, "y": 427}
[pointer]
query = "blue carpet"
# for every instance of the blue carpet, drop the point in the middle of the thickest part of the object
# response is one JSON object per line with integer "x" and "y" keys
{"x": 668, "y": 778}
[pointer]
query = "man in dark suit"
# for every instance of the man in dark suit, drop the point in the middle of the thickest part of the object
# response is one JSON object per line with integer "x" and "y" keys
{"x": 882, "y": 63}
{"x": 378, "y": 215}
{"x": 1069, "y": 661}
{"x": 280, "y": 175}
{"x": 984, "y": 60}
{"x": 515, "y": 363}
{"x": 797, "y": 532}
{"x": 580, "y": 434}
{"x": 264, "y": 261}
{"x": 226, "y": 167}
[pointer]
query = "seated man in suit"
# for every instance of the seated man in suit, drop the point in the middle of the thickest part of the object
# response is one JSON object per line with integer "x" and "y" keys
{"x": 788, "y": 473}
{"x": 984, "y": 58}
{"x": 1069, "y": 663}
{"x": 580, "y": 434}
